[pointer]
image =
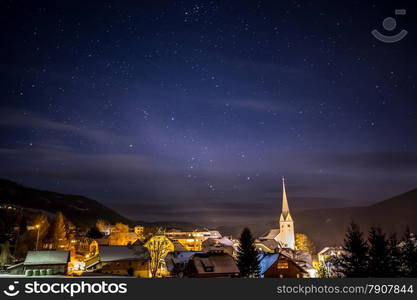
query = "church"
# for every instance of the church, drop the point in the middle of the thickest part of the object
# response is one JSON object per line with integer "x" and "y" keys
{"x": 282, "y": 237}
{"x": 281, "y": 241}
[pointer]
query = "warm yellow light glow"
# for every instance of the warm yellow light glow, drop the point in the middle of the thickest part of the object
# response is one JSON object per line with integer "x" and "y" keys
{"x": 37, "y": 226}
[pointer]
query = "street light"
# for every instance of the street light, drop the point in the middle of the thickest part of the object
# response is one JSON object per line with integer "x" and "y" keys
{"x": 37, "y": 226}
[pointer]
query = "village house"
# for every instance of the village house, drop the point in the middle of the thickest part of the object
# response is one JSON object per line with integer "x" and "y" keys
{"x": 276, "y": 265}
{"x": 223, "y": 244}
{"x": 84, "y": 254}
{"x": 124, "y": 260}
{"x": 39, "y": 263}
{"x": 302, "y": 258}
{"x": 176, "y": 262}
{"x": 327, "y": 253}
{"x": 267, "y": 245}
{"x": 140, "y": 231}
{"x": 192, "y": 240}
{"x": 85, "y": 246}
{"x": 328, "y": 259}
{"x": 212, "y": 265}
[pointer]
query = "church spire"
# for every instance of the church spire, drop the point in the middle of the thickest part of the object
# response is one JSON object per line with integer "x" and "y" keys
{"x": 286, "y": 236}
{"x": 285, "y": 208}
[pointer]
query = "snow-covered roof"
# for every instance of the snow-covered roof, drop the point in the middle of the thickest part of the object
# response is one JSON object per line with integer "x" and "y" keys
{"x": 214, "y": 263}
{"x": 266, "y": 260}
{"x": 270, "y": 235}
{"x": 47, "y": 257}
{"x": 183, "y": 256}
{"x": 270, "y": 244}
{"x": 119, "y": 253}
{"x": 225, "y": 241}
{"x": 178, "y": 257}
{"x": 330, "y": 250}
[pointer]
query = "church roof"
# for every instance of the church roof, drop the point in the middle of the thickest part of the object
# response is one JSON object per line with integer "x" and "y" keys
{"x": 270, "y": 244}
{"x": 270, "y": 235}
{"x": 285, "y": 214}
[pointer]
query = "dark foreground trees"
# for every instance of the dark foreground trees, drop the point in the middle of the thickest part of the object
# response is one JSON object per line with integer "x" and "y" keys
{"x": 247, "y": 258}
{"x": 379, "y": 256}
{"x": 354, "y": 262}
{"x": 409, "y": 254}
{"x": 94, "y": 232}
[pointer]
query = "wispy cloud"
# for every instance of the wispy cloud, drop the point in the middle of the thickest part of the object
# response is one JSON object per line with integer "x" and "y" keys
{"x": 371, "y": 161}
{"x": 65, "y": 162}
{"x": 29, "y": 120}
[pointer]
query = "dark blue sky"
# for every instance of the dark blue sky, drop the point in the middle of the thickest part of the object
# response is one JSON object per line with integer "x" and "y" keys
{"x": 202, "y": 104}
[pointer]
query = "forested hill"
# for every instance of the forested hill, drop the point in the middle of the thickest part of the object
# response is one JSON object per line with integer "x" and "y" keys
{"x": 79, "y": 209}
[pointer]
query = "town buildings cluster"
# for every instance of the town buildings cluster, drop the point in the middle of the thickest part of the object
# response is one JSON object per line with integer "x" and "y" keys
{"x": 120, "y": 250}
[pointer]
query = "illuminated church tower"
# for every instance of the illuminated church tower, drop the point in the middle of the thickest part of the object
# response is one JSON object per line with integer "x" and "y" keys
{"x": 286, "y": 224}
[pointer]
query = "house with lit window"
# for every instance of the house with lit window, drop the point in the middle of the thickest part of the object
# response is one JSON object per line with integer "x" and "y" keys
{"x": 192, "y": 240}
{"x": 223, "y": 244}
{"x": 277, "y": 265}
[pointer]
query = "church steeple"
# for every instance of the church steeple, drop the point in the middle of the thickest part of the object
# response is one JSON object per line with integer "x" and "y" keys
{"x": 286, "y": 236}
{"x": 285, "y": 213}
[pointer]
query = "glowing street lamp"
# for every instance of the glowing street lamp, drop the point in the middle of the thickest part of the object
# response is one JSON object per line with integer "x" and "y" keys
{"x": 37, "y": 226}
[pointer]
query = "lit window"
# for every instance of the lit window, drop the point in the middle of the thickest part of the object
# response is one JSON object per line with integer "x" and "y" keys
{"x": 282, "y": 265}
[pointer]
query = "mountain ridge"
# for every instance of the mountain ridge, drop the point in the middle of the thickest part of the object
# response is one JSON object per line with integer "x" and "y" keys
{"x": 325, "y": 226}
{"x": 393, "y": 215}
{"x": 79, "y": 209}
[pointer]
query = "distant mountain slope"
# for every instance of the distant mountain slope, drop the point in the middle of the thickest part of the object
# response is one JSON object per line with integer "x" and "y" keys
{"x": 80, "y": 210}
{"x": 328, "y": 226}
{"x": 324, "y": 226}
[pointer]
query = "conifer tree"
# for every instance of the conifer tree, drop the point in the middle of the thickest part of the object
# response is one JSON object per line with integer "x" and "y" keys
{"x": 395, "y": 269}
{"x": 409, "y": 254}
{"x": 379, "y": 254}
{"x": 94, "y": 233}
{"x": 59, "y": 234}
{"x": 355, "y": 262}
{"x": 5, "y": 256}
{"x": 247, "y": 258}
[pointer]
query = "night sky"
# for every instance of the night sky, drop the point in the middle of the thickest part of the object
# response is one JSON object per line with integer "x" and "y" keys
{"x": 179, "y": 109}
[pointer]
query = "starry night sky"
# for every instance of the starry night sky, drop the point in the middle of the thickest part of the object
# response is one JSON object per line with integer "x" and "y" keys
{"x": 172, "y": 107}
